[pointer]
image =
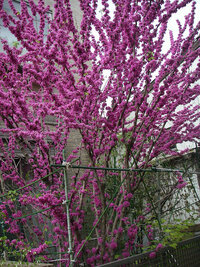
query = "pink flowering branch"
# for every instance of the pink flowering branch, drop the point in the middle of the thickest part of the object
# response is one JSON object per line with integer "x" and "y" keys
{"x": 53, "y": 83}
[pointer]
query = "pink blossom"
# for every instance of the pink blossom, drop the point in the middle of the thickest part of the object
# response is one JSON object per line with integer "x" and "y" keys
{"x": 113, "y": 245}
{"x": 152, "y": 255}
{"x": 181, "y": 185}
{"x": 100, "y": 240}
{"x": 126, "y": 204}
{"x": 125, "y": 254}
{"x": 94, "y": 250}
{"x": 120, "y": 229}
{"x": 159, "y": 246}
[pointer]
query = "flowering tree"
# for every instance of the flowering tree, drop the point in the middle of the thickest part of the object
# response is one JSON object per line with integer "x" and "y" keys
{"x": 145, "y": 106}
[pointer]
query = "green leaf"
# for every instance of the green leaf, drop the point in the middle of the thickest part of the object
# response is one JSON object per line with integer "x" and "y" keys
{"x": 48, "y": 243}
{"x": 15, "y": 44}
{"x": 167, "y": 231}
{"x": 173, "y": 245}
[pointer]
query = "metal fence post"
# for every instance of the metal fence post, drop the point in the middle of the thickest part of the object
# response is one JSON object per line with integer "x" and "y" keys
{"x": 67, "y": 210}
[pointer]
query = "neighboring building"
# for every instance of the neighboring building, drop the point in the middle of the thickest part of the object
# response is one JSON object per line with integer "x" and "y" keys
{"x": 186, "y": 201}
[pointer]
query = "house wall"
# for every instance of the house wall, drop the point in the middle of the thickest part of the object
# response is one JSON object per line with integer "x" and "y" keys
{"x": 187, "y": 198}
